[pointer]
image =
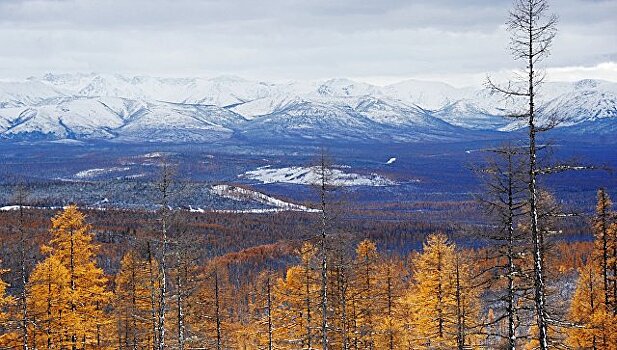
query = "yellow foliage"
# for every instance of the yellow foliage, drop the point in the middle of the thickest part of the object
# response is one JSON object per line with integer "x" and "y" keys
{"x": 67, "y": 291}
{"x": 436, "y": 309}
{"x": 134, "y": 302}
{"x": 297, "y": 308}
{"x": 6, "y": 338}
{"x": 596, "y": 326}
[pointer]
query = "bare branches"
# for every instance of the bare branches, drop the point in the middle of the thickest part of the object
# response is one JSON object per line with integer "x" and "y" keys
{"x": 531, "y": 29}
{"x": 508, "y": 91}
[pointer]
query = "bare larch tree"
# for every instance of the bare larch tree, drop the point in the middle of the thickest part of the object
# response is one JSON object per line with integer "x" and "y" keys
{"x": 532, "y": 28}
{"x": 324, "y": 179}
{"x": 20, "y": 199}
{"x": 164, "y": 188}
{"x": 505, "y": 201}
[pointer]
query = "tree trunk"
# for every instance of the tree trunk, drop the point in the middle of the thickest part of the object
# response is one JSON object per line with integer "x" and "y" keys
{"x": 269, "y": 304}
{"x": 324, "y": 260}
{"x": 180, "y": 287}
{"x": 152, "y": 298}
{"x": 536, "y": 234}
{"x": 24, "y": 275}
{"x": 219, "y": 343}
{"x": 510, "y": 256}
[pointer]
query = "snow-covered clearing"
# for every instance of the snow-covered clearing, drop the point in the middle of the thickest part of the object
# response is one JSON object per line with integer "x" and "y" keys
{"x": 311, "y": 176}
{"x": 91, "y": 173}
{"x": 244, "y": 194}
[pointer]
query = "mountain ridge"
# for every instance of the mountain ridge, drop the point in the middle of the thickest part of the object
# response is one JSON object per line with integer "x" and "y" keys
{"x": 144, "y": 108}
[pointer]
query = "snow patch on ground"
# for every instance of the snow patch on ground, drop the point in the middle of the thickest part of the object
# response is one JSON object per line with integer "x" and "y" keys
{"x": 91, "y": 173}
{"x": 244, "y": 194}
{"x": 153, "y": 155}
{"x": 311, "y": 176}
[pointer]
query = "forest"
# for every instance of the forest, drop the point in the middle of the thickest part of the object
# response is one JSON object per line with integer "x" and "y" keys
{"x": 533, "y": 274}
{"x": 155, "y": 285}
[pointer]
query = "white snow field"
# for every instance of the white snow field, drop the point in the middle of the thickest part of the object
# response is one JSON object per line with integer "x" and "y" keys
{"x": 312, "y": 176}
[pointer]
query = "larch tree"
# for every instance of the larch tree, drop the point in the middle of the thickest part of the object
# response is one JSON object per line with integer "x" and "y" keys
{"x": 48, "y": 292}
{"x": 82, "y": 313}
{"x": 595, "y": 325}
{"x": 298, "y": 294}
{"x": 604, "y": 249}
{"x": 341, "y": 266}
{"x": 261, "y": 332}
{"x": 366, "y": 294}
{"x": 592, "y": 308}
{"x": 24, "y": 268}
{"x": 132, "y": 306}
{"x": 211, "y": 315}
{"x": 532, "y": 30}
{"x": 154, "y": 281}
{"x": 504, "y": 202}
{"x": 184, "y": 278}
{"x": 7, "y": 338}
{"x": 442, "y": 303}
{"x": 164, "y": 188}
{"x": 389, "y": 323}
{"x": 325, "y": 187}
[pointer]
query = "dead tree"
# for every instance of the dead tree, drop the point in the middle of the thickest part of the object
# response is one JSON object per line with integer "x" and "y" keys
{"x": 532, "y": 30}
{"x": 164, "y": 188}
{"x": 21, "y": 198}
{"x": 460, "y": 308}
{"x": 181, "y": 272}
{"x": 325, "y": 175}
{"x": 504, "y": 200}
{"x": 341, "y": 267}
{"x": 217, "y": 301}
{"x": 601, "y": 226}
{"x": 153, "y": 277}
{"x": 269, "y": 314}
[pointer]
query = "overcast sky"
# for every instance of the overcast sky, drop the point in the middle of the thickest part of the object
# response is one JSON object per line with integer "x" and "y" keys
{"x": 377, "y": 41}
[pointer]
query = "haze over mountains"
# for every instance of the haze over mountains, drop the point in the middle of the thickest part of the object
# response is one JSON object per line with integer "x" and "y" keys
{"x": 150, "y": 109}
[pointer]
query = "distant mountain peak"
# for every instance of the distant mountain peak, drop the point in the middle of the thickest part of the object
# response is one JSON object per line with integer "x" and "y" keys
{"x": 91, "y": 105}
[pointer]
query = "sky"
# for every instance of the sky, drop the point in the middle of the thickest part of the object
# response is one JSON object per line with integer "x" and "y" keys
{"x": 376, "y": 41}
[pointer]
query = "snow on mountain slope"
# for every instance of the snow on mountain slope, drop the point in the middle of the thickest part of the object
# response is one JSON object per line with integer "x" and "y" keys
{"x": 220, "y": 91}
{"x": 71, "y": 118}
{"x": 311, "y": 120}
{"x": 581, "y": 106}
{"x": 264, "y": 105}
{"x": 586, "y": 101}
{"x": 19, "y": 94}
{"x": 426, "y": 94}
{"x": 346, "y": 87}
{"x": 112, "y": 117}
{"x": 140, "y": 108}
{"x": 382, "y": 110}
{"x": 180, "y": 123}
{"x": 466, "y": 114}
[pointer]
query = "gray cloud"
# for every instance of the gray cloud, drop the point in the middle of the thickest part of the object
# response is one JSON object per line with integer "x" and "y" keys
{"x": 280, "y": 39}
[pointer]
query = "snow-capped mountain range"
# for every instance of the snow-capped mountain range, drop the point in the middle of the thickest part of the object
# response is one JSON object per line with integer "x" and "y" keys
{"x": 150, "y": 109}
